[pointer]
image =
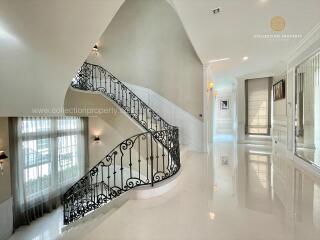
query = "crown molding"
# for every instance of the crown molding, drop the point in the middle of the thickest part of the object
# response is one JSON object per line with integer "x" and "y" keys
{"x": 309, "y": 39}
{"x": 256, "y": 75}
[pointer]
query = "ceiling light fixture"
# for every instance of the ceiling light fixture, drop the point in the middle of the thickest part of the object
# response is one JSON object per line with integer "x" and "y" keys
{"x": 219, "y": 60}
{"x": 245, "y": 58}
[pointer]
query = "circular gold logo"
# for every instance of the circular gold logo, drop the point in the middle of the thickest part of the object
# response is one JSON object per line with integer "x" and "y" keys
{"x": 278, "y": 23}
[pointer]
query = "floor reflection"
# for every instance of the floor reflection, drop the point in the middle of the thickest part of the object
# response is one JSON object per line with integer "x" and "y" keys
{"x": 47, "y": 227}
{"x": 306, "y": 206}
{"x": 283, "y": 195}
{"x": 237, "y": 192}
{"x": 258, "y": 179}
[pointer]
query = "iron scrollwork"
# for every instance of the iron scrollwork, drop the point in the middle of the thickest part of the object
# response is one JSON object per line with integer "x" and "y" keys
{"x": 143, "y": 159}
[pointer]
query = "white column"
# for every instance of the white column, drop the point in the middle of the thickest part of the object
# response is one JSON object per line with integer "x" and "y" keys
{"x": 317, "y": 116}
{"x": 290, "y": 108}
{"x": 207, "y": 108}
{"x": 241, "y": 116}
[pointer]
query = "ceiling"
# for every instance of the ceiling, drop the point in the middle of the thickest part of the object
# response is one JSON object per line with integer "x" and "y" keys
{"x": 43, "y": 42}
{"x": 232, "y": 33}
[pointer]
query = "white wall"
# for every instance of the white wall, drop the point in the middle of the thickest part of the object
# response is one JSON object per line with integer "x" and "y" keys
{"x": 279, "y": 121}
{"x": 109, "y": 139}
{"x": 5, "y": 179}
{"x": 42, "y": 45}
{"x": 146, "y": 44}
{"x": 224, "y": 119}
{"x": 190, "y": 128}
{"x": 5, "y": 183}
{"x": 106, "y": 120}
{"x": 6, "y": 219}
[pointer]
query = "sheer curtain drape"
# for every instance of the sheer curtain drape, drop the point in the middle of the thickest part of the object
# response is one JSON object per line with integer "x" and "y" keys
{"x": 49, "y": 155}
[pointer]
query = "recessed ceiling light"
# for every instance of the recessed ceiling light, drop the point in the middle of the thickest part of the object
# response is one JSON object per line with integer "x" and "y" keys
{"x": 215, "y": 10}
{"x": 219, "y": 60}
{"x": 245, "y": 58}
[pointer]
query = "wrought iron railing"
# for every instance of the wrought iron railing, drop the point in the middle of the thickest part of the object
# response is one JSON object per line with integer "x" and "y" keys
{"x": 143, "y": 159}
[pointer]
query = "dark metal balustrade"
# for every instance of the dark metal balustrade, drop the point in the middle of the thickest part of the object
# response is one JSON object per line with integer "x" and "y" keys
{"x": 143, "y": 159}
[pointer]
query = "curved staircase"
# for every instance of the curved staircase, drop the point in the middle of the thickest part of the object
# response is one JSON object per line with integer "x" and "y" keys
{"x": 143, "y": 159}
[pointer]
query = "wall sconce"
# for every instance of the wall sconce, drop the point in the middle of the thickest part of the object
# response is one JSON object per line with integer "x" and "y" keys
{"x": 210, "y": 86}
{"x": 2, "y": 157}
{"x": 95, "y": 49}
{"x": 212, "y": 216}
{"x": 96, "y": 138}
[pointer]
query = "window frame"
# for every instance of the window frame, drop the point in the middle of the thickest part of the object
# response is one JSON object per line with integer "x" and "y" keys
{"x": 247, "y": 107}
{"x": 52, "y": 134}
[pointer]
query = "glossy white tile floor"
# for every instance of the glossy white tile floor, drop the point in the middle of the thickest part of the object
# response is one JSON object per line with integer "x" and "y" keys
{"x": 47, "y": 227}
{"x": 239, "y": 192}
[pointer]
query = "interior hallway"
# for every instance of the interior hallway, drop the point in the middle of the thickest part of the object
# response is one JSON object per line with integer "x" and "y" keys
{"x": 236, "y": 192}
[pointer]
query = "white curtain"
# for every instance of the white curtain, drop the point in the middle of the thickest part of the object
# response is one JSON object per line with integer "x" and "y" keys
{"x": 50, "y": 156}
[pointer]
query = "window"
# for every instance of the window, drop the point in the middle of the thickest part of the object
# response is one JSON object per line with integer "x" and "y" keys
{"x": 51, "y": 155}
{"x": 258, "y": 106}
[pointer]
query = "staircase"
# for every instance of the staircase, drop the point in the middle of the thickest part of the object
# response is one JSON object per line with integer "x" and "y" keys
{"x": 143, "y": 159}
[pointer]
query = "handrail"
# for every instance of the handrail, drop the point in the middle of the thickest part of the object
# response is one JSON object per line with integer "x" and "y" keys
{"x": 93, "y": 77}
{"x": 143, "y": 159}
